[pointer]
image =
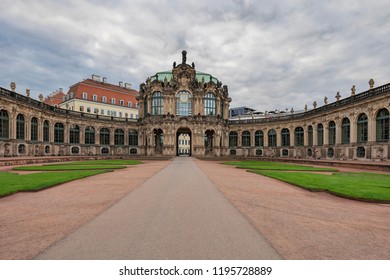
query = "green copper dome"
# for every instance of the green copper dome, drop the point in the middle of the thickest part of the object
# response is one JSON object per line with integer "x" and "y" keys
{"x": 160, "y": 76}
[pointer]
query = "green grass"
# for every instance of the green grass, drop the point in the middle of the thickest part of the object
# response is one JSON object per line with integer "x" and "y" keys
{"x": 62, "y": 167}
{"x": 104, "y": 162}
{"x": 361, "y": 186}
{"x": 269, "y": 165}
{"x": 12, "y": 183}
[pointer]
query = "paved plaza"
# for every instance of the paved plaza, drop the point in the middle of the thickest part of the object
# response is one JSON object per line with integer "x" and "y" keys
{"x": 189, "y": 209}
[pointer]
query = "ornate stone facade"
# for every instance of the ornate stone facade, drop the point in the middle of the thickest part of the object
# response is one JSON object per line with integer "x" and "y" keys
{"x": 184, "y": 101}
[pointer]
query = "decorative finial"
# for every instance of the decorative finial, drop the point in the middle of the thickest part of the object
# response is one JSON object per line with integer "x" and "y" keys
{"x": 40, "y": 97}
{"x": 184, "y": 53}
{"x": 325, "y": 100}
{"x": 371, "y": 83}
{"x": 315, "y": 104}
{"x": 27, "y": 92}
{"x": 305, "y": 107}
{"x": 13, "y": 86}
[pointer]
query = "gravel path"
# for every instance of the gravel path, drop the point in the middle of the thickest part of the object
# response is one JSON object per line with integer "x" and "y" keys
{"x": 297, "y": 223}
{"x": 31, "y": 222}
{"x": 176, "y": 214}
{"x": 301, "y": 224}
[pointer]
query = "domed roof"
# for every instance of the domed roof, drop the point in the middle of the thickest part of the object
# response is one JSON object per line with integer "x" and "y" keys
{"x": 160, "y": 76}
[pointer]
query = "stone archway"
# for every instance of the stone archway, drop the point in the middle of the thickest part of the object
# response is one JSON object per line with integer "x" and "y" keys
{"x": 183, "y": 142}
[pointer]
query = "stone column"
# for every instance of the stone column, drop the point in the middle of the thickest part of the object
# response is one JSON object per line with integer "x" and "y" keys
{"x": 326, "y": 133}
{"x": 306, "y": 136}
{"x": 353, "y": 131}
{"x": 265, "y": 131}
{"x": 66, "y": 133}
{"x": 97, "y": 135}
{"x": 82, "y": 134}
{"x": 218, "y": 106}
{"x": 12, "y": 126}
{"x": 338, "y": 132}
{"x": 27, "y": 128}
{"x": 292, "y": 136}
{"x": 315, "y": 135}
{"x": 112, "y": 135}
{"x": 371, "y": 129}
{"x": 279, "y": 137}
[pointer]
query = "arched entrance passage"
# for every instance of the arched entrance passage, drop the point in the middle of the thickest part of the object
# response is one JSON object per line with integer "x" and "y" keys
{"x": 183, "y": 142}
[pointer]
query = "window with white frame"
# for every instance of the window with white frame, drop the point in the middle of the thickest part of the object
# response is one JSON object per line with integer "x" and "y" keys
{"x": 94, "y": 97}
{"x": 85, "y": 95}
{"x": 113, "y": 101}
{"x": 121, "y": 102}
{"x": 129, "y": 104}
{"x": 104, "y": 99}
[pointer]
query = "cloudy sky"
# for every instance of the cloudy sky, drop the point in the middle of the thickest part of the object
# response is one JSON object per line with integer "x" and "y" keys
{"x": 271, "y": 54}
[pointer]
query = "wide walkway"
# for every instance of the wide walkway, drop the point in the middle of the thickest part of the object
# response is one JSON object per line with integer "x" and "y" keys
{"x": 176, "y": 214}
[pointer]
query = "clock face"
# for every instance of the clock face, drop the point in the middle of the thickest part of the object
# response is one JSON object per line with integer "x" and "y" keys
{"x": 184, "y": 98}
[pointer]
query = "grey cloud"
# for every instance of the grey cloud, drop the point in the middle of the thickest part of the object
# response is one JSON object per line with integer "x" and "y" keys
{"x": 270, "y": 53}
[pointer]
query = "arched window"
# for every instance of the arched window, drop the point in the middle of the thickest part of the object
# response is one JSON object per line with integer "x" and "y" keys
{"x": 183, "y": 103}
{"x": 89, "y": 135}
{"x": 362, "y": 128}
{"x": 85, "y": 95}
{"x": 259, "y": 138}
{"x": 310, "y": 135}
{"x": 233, "y": 137}
{"x": 34, "y": 129}
{"x": 46, "y": 131}
{"x": 157, "y": 103}
{"x": 320, "y": 134}
{"x": 119, "y": 137}
{"x": 74, "y": 134}
{"x": 246, "y": 139}
{"x": 285, "y": 137}
{"x": 332, "y": 133}
{"x": 298, "y": 137}
{"x": 58, "y": 133}
{"x": 94, "y": 97}
{"x": 121, "y": 102}
{"x": 345, "y": 131}
{"x": 104, "y": 99}
{"x": 129, "y": 104}
{"x": 113, "y": 101}
{"x": 20, "y": 127}
{"x": 104, "y": 136}
{"x": 272, "y": 138}
{"x": 4, "y": 125}
{"x": 209, "y": 104}
{"x": 133, "y": 138}
{"x": 382, "y": 126}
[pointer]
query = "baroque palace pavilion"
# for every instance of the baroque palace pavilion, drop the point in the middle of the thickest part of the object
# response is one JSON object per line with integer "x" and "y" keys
{"x": 186, "y": 104}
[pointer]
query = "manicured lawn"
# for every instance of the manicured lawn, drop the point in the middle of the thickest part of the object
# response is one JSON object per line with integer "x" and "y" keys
{"x": 12, "y": 183}
{"x": 104, "y": 162}
{"x": 62, "y": 167}
{"x": 269, "y": 165}
{"x": 362, "y": 186}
